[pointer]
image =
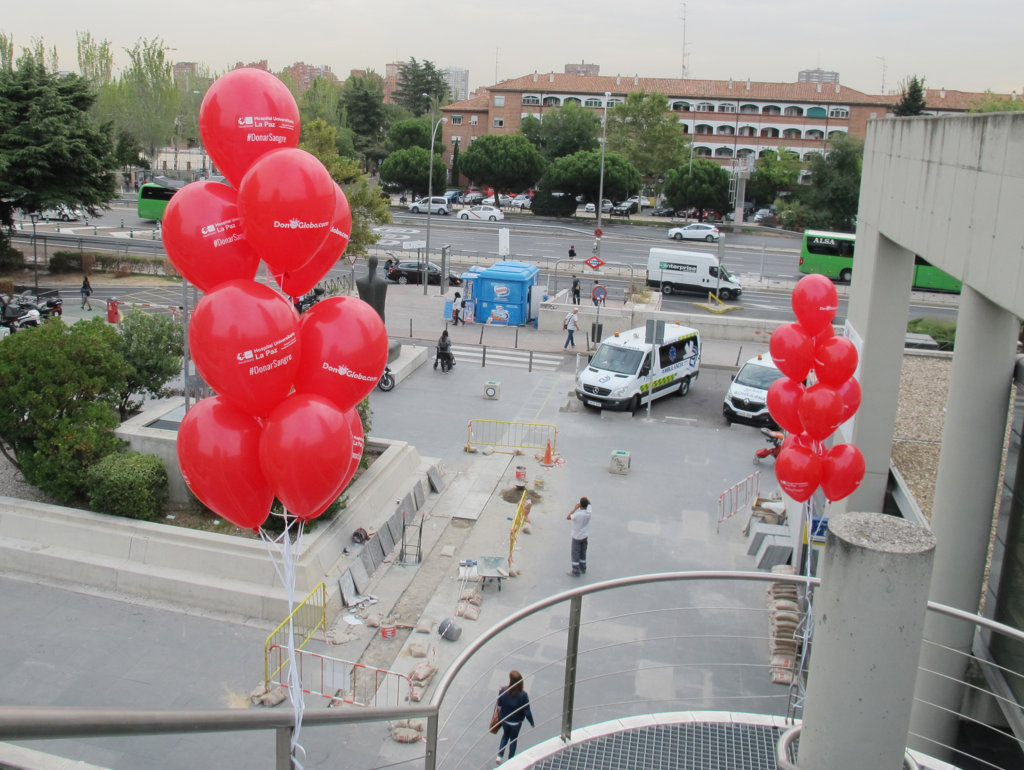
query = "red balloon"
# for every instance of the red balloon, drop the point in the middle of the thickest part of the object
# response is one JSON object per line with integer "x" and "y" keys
{"x": 358, "y": 440}
{"x": 305, "y": 452}
{"x": 835, "y": 361}
{"x": 218, "y": 451}
{"x": 792, "y": 351}
{"x": 803, "y": 440}
{"x": 344, "y": 350}
{"x": 821, "y": 411}
{"x": 827, "y": 332}
{"x": 244, "y": 338}
{"x": 842, "y": 470}
{"x": 203, "y": 235}
{"x": 850, "y": 393}
{"x": 815, "y": 302}
{"x": 297, "y": 282}
{"x": 798, "y": 471}
{"x": 287, "y": 204}
{"x": 783, "y": 403}
{"x": 246, "y": 113}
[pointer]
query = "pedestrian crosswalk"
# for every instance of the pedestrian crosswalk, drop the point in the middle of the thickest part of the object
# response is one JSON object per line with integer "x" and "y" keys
{"x": 483, "y": 355}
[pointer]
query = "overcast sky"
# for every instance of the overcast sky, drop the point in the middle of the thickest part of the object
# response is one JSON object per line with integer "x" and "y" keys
{"x": 956, "y": 45}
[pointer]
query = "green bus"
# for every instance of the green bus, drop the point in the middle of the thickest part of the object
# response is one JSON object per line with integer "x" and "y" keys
{"x": 831, "y": 255}
{"x": 153, "y": 199}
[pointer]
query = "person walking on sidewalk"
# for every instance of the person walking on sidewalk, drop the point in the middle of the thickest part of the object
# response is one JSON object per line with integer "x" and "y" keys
{"x": 575, "y": 290}
{"x": 580, "y": 518}
{"x": 513, "y": 707}
{"x": 86, "y": 292}
{"x": 457, "y": 309}
{"x": 571, "y": 324}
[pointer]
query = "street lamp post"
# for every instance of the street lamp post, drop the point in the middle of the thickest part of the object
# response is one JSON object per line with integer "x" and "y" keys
{"x": 35, "y": 256}
{"x": 430, "y": 197}
{"x": 600, "y": 184}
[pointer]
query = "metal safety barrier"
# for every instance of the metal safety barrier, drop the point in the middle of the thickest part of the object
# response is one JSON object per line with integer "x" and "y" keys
{"x": 505, "y": 436}
{"x": 738, "y": 496}
{"x": 344, "y": 681}
{"x": 306, "y": 619}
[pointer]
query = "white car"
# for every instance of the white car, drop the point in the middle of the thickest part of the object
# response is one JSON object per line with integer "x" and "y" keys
{"x": 503, "y": 200}
{"x": 435, "y": 205}
{"x": 482, "y": 213}
{"x": 522, "y": 201}
{"x": 606, "y": 206}
{"x": 698, "y": 231}
{"x": 63, "y": 213}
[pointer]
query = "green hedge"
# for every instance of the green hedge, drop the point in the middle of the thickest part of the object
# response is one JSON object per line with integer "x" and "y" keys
{"x": 78, "y": 262}
{"x": 10, "y": 258}
{"x": 128, "y": 484}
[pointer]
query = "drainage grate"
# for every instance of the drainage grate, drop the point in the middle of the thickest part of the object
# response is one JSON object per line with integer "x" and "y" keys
{"x": 690, "y": 746}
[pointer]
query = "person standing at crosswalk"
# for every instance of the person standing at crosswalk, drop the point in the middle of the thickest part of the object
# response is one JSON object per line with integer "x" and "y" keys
{"x": 570, "y": 324}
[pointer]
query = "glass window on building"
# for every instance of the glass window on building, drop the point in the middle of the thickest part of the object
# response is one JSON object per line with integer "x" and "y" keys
{"x": 456, "y": 120}
{"x": 499, "y": 122}
{"x": 499, "y": 100}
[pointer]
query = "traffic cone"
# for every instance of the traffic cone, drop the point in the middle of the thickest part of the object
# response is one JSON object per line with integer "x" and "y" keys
{"x": 547, "y": 462}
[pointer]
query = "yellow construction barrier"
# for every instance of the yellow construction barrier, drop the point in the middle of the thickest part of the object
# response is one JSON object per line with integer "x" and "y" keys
{"x": 715, "y": 305}
{"x": 306, "y": 619}
{"x": 517, "y": 525}
{"x": 509, "y": 436}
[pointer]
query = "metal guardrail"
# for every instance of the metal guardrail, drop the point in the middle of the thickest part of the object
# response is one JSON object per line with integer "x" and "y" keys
{"x": 306, "y": 619}
{"x": 344, "y": 681}
{"x": 740, "y": 495}
{"x": 464, "y": 723}
{"x": 504, "y": 436}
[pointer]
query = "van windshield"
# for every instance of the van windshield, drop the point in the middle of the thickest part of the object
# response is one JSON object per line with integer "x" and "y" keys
{"x": 618, "y": 360}
{"x": 760, "y": 377}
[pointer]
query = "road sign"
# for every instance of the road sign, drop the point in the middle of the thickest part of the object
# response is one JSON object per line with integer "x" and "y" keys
{"x": 594, "y": 262}
{"x": 598, "y": 232}
{"x": 352, "y": 257}
{"x": 598, "y": 293}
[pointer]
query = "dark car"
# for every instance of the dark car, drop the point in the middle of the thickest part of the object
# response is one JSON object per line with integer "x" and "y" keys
{"x": 472, "y": 198}
{"x": 625, "y": 208}
{"x": 411, "y": 271}
{"x": 663, "y": 211}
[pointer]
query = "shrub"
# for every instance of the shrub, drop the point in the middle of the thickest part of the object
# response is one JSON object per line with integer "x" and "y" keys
{"x": 128, "y": 484}
{"x": 118, "y": 264}
{"x": 547, "y": 205}
{"x": 942, "y": 331}
{"x": 10, "y": 258}
{"x": 65, "y": 262}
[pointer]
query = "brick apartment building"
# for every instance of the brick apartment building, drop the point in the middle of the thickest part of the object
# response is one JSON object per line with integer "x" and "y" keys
{"x": 727, "y": 119}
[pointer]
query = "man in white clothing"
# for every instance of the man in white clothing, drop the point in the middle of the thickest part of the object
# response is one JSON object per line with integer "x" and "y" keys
{"x": 580, "y": 518}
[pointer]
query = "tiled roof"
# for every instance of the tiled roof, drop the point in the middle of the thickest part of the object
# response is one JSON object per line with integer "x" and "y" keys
{"x": 719, "y": 89}
{"x": 478, "y": 102}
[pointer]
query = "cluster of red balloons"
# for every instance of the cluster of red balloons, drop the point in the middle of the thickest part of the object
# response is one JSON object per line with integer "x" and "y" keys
{"x": 284, "y": 422}
{"x": 811, "y": 414}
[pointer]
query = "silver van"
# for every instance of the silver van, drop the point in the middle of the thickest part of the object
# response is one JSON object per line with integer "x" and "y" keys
{"x": 436, "y": 205}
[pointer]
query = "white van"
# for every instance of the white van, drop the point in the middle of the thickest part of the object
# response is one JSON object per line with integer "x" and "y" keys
{"x": 669, "y": 271}
{"x": 623, "y": 371}
{"x": 747, "y": 397}
{"x": 435, "y": 205}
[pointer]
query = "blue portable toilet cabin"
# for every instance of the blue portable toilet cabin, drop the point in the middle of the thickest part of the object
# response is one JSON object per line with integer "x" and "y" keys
{"x": 504, "y": 294}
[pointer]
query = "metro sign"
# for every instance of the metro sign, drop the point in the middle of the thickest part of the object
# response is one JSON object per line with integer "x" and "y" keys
{"x": 594, "y": 262}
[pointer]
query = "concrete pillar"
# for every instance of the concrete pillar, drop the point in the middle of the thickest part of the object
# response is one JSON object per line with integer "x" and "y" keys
{"x": 879, "y": 302}
{"x": 965, "y": 496}
{"x": 868, "y": 620}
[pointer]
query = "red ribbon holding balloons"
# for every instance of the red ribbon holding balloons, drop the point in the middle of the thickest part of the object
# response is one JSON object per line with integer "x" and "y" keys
{"x": 811, "y": 414}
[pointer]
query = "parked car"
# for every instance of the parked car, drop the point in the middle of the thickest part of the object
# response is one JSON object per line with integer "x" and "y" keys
{"x": 663, "y": 211}
{"x": 436, "y": 205}
{"x": 503, "y": 200}
{"x": 471, "y": 198}
{"x": 698, "y": 231}
{"x": 63, "y": 213}
{"x": 482, "y": 213}
{"x": 453, "y": 196}
{"x": 522, "y": 201}
{"x": 762, "y": 213}
{"x": 606, "y": 207}
{"x": 411, "y": 271}
{"x": 625, "y": 208}
{"x": 641, "y": 201}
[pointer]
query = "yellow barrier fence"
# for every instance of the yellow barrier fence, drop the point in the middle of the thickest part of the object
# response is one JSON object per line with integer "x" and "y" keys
{"x": 307, "y": 618}
{"x": 509, "y": 436}
{"x": 517, "y": 525}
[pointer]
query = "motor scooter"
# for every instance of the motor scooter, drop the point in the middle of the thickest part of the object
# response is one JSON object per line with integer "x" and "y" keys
{"x": 774, "y": 439}
{"x": 48, "y": 307}
{"x": 307, "y": 300}
{"x": 15, "y": 317}
{"x": 387, "y": 380}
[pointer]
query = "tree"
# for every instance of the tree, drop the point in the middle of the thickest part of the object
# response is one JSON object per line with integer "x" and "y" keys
{"x": 362, "y": 104}
{"x": 321, "y": 100}
{"x": 991, "y": 102}
{"x": 564, "y": 131}
{"x": 59, "y": 387}
{"x": 368, "y": 208}
{"x": 506, "y": 163}
{"x": 580, "y": 174}
{"x": 51, "y": 149}
{"x": 152, "y": 347}
{"x": 95, "y": 60}
{"x": 704, "y": 186}
{"x": 414, "y": 132}
{"x": 409, "y": 169}
{"x": 774, "y": 172}
{"x": 912, "y": 100}
{"x": 834, "y": 191}
{"x": 418, "y": 84}
{"x": 150, "y": 99}
{"x": 647, "y": 134}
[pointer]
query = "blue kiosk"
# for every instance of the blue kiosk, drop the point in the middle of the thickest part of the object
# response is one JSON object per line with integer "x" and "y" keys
{"x": 504, "y": 294}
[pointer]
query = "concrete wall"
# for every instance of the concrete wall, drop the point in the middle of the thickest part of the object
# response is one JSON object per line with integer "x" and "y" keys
{"x": 198, "y": 570}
